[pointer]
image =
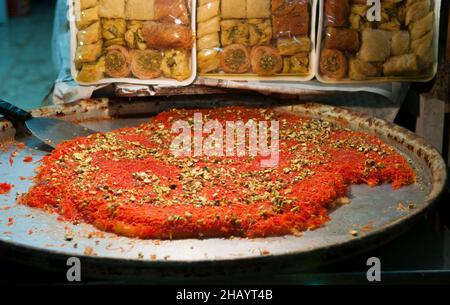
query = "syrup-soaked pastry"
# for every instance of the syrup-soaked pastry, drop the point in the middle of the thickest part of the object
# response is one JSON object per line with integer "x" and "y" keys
{"x": 140, "y": 10}
{"x": 235, "y": 58}
{"x": 406, "y": 65}
{"x": 258, "y": 8}
{"x": 172, "y": 11}
{"x": 290, "y": 18}
{"x": 92, "y": 72}
{"x": 233, "y": 9}
{"x": 176, "y": 64}
{"x": 375, "y": 45}
{"x": 146, "y": 64}
{"x": 86, "y": 17}
{"x": 400, "y": 43}
{"x": 208, "y": 60}
{"x": 88, "y": 52}
{"x": 112, "y": 9}
{"x": 342, "y": 39}
{"x": 89, "y": 35}
{"x": 336, "y": 13}
{"x": 234, "y": 31}
{"x": 333, "y": 64}
{"x": 417, "y": 11}
{"x": 113, "y": 28}
{"x": 266, "y": 60}
{"x": 423, "y": 48}
{"x": 209, "y": 41}
{"x": 133, "y": 36}
{"x": 208, "y": 11}
{"x": 421, "y": 26}
{"x": 298, "y": 63}
{"x": 84, "y": 4}
{"x": 167, "y": 36}
{"x": 294, "y": 45}
{"x": 208, "y": 27}
{"x": 117, "y": 62}
{"x": 360, "y": 70}
{"x": 260, "y": 31}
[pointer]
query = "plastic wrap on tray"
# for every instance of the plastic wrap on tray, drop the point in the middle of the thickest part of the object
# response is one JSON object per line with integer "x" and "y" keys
{"x": 290, "y": 18}
{"x": 134, "y": 41}
{"x": 255, "y": 39}
{"x": 401, "y": 45}
{"x": 336, "y": 13}
{"x": 170, "y": 10}
{"x": 342, "y": 39}
{"x": 165, "y": 35}
{"x": 294, "y": 45}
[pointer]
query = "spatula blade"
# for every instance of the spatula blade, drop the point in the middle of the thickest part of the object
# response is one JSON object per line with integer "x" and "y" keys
{"x": 54, "y": 131}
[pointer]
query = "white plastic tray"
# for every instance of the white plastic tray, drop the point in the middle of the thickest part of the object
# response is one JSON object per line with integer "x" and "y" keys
{"x": 160, "y": 81}
{"x": 279, "y": 77}
{"x": 323, "y": 79}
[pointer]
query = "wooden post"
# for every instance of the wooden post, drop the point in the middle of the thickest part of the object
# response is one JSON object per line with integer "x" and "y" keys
{"x": 430, "y": 122}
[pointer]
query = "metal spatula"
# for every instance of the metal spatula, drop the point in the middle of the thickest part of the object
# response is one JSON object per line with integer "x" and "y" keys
{"x": 50, "y": 131}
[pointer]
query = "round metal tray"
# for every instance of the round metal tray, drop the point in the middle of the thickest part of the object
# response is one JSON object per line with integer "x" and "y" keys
{"x": 40, "y": 238}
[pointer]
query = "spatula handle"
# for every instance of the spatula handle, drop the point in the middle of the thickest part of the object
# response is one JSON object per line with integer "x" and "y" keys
{"x": 13, "y": 113}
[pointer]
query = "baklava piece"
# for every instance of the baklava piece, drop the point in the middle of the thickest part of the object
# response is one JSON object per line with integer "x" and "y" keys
{"x": 291, "y": 46}
{"x": 112, "y": 8}
{"x": 92, "y": 72}
{"x": 88, "y": 53}
{"x": 260, "y": 31}
{"x": 117, "y": 62}
{"x": 258, "y": 8}
{"x": 234, "y": 31}
{"x": 298, "y": 63}
{"x": 209, "y": 41}
{"x": 375, "y": 45}
{"x": 333, "y": 64}
{"x": 208, "y": 11}
{"x": 336, "y": 12}
{"x": 140, "y": 9}
{"x": 172, "y": 11}
{"x": 208, "y": 60}
{"x": 146, "y": 64}
{"x": 175, "y": 64}
{"x": 113, "y": 31}
{"x": 89, "y": 35}
{"x": 86, "y": 17}
{"x": 84, "y": 4}
{"x": 290, "y": 18}
{"x": 235, "y": 59}
{"x": 266, "y": 60}
{"x": 401, "y": 65}
{"x": 233, "y": 9}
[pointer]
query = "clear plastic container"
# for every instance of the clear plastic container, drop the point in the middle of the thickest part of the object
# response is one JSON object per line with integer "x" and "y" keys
{"x": 148, "y": 42}
{"x": 251, "y": 40}
{"x": 403, "y": 46}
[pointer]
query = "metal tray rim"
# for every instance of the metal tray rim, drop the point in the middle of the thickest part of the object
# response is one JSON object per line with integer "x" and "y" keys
{"x": 399, "y": 134}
